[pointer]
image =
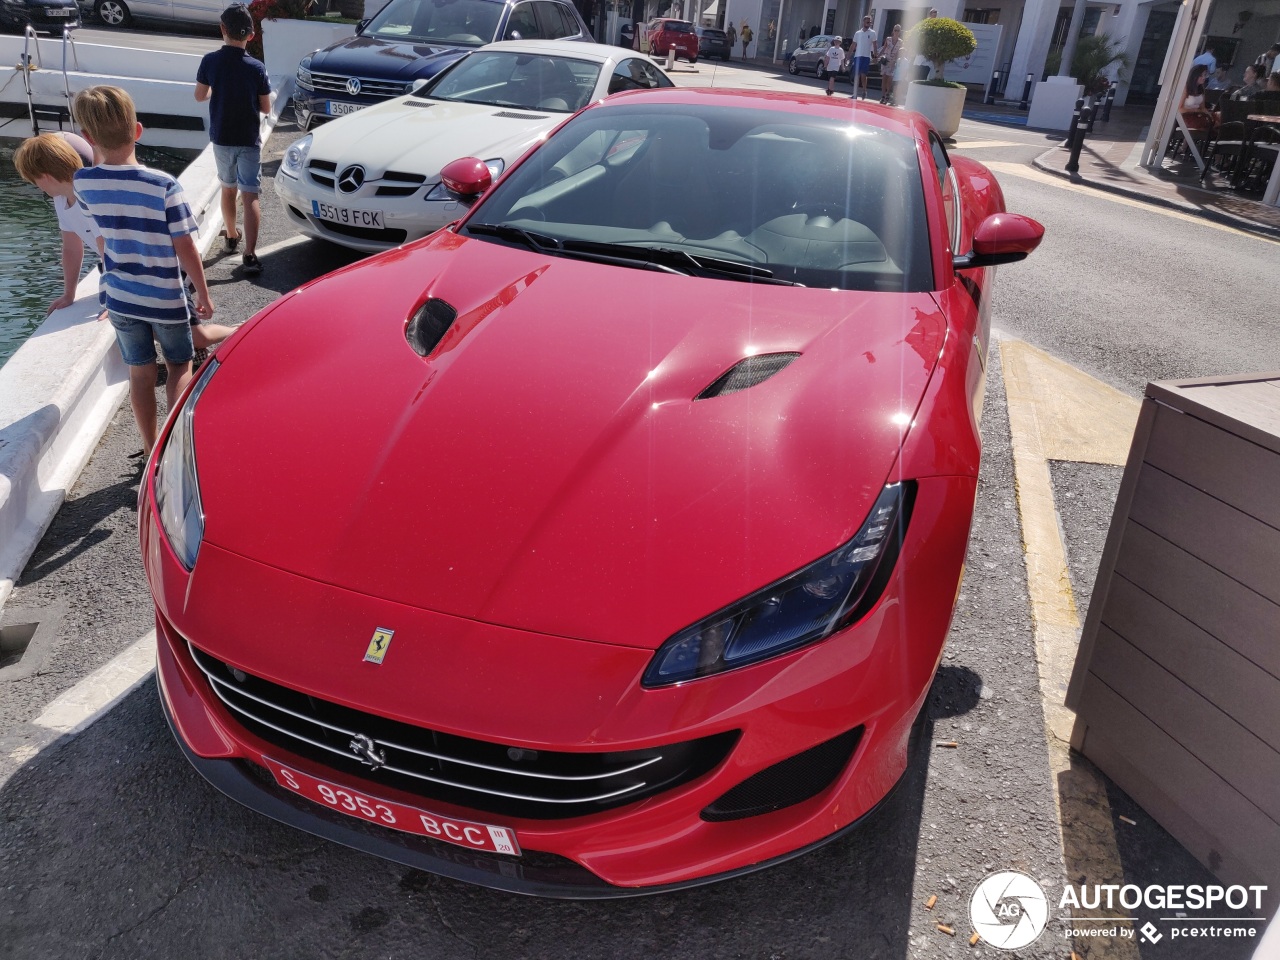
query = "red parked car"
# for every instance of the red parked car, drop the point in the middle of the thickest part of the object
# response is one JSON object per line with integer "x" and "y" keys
{"x": 666, "y": 35}
{"x": 605, "y": 541}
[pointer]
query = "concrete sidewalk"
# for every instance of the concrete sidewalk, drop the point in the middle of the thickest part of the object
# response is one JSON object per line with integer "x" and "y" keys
{"x": 1110, "y": 160}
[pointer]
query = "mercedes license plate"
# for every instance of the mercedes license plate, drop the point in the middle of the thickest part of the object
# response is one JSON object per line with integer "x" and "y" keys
{"x": 397, "y": 816}
{"x": 353, "y": 218}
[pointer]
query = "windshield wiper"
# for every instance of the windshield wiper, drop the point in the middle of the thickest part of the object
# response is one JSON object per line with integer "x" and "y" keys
{"x": 538, "y": 242}
{"x": 681, "y": 261}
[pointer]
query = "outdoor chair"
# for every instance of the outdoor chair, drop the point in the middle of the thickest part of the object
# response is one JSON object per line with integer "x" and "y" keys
{"x": 1261, "y": 159}
{"x": 1228, "y": 142}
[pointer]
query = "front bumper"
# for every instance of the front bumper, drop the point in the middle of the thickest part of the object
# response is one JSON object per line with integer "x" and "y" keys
{"x": 874, "y": 675}
{"x": 405, "y": 219}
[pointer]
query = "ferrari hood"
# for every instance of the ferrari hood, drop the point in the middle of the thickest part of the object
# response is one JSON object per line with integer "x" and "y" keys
{"x": 417, "y": 135}
{"x": 550, "y": 466}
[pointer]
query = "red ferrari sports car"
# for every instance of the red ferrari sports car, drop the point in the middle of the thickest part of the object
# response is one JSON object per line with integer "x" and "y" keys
{"x": 605, "y": 541}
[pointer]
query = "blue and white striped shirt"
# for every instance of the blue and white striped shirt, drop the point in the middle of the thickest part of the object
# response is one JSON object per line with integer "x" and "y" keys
{"x": 139, "y": 212}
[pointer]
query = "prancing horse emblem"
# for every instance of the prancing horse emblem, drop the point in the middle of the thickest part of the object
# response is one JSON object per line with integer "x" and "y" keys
{"x": 364, "y": 748}
{"x": 378, "y": 646}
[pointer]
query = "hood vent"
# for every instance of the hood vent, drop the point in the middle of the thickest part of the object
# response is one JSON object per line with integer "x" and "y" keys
{"x": 429, "y": 325}
{"x": 410, "y": 102}
{"x": 747, "y": 373}
{"x": 512, "y": 115}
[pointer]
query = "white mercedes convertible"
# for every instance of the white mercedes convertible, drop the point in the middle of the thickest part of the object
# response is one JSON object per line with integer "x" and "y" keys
{"x": 371, "y": 180}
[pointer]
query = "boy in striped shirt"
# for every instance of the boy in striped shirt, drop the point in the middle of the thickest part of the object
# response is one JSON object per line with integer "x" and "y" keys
{"x": 148, "y": 234}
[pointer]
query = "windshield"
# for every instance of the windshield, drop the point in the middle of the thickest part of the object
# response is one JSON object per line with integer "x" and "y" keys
{"x": 796, "y": 199}
{"x": 461, "y": 23}
{"x": 531, "y": 81}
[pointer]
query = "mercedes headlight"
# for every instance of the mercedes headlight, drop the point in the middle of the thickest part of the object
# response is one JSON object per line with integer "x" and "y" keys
{"x": 295, "y": 158}
{"x": 805, "y": 607}
{"x": 441, "y": 192}
{"x": 177, "y": 486}
{"x": 304, "y": 73}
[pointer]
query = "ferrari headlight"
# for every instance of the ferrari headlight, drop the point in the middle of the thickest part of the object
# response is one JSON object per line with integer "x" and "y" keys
{"x": 304, "y": 73}
{"x": 177, "y": 486}
{"x": 805, "y": 607}
{"x": 441, "y": 192}
{"x": 295, "y": 158}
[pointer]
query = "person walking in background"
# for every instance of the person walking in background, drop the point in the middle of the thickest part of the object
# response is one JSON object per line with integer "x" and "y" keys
{"x": 832, "y": 59}
{"x": 732, "y": 36}
{"x": 148, "y": 240}
{"x": 745, "y": 34}
{"x": 889, "y": 54}
{"x": 864, "y": 44}
{"x": 236, "y": 86}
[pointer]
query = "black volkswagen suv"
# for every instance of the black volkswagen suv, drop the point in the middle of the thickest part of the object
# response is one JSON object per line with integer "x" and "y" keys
{"x": 411, "y": 40}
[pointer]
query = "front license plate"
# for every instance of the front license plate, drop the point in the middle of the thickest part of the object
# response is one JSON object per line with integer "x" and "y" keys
{"x": 354, "y": 218}
{"x": 58, "y": 13}
{"x": 335, "y": 109}
{"x": 397, "y": 816}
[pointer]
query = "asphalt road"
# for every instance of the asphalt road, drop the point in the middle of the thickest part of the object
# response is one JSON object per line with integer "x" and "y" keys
{"x": 111, "y": 846}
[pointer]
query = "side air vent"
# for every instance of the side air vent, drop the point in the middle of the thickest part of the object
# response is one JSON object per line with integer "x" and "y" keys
{"x": 428, "y": 326}
{"x": 788, "y": 782}
{"x": 747, "y": 373}
{"x": 512, "y": 115}
{"x": 418, "y": 103}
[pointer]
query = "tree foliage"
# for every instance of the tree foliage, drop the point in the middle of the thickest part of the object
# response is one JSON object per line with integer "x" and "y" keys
{"x": 1094, "y": 54}
{"x": 940, "y": 39}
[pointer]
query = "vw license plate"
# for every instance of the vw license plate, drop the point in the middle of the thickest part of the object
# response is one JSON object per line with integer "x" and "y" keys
{"x": 397, "y": 816}
{"x": 335, "y": 109}
{"x": 354, "y": 218}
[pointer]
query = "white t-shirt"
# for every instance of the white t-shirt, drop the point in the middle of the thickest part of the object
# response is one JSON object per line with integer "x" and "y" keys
{"x": 833, "y": 57}
{"x": 72, "y": 218}
{"x": 864, "y": 42}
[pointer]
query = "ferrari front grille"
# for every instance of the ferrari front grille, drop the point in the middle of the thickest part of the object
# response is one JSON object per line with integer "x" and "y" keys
{"x": 491, "y": 777}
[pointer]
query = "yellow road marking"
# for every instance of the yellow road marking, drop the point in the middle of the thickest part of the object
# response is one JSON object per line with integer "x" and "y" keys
{"x": 1026, "y": 172}
{"x": 1056, "y": 412}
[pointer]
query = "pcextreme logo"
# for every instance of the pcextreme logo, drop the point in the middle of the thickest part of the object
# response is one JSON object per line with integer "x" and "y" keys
{"x": 1010, "y": 910}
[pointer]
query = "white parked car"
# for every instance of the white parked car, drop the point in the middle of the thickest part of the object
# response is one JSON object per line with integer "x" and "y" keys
{"x": 371, "y": 180}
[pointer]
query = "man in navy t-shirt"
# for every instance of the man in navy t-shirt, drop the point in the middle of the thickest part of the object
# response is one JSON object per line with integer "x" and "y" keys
{"x": 235, "y": 84}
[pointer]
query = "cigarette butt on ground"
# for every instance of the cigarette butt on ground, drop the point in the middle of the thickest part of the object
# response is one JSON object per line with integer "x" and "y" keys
{"x": 1132, "y": 823}
{"x": 948, "y": 743}
{"x": 973, "y": 942}
{"x": 947, "y": 930}
{"x": 929, "y": 904}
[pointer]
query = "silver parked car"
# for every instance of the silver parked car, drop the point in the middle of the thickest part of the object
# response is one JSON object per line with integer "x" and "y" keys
{"x": 808, "y": 57}
{"x": 120, "y": 13}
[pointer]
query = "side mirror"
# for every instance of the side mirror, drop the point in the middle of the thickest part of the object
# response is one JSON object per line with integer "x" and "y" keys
{"x": 418, "y": 84}
{"x": 468, "y": 177}
{"x": 362, "y": 24}
{"x": 1001, "y": 238}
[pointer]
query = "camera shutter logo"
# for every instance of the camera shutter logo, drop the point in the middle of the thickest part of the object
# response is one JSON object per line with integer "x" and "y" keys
{"x": 1009, "y": 910}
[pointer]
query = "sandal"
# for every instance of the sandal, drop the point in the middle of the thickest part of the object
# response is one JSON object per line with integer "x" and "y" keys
{"x": 229, "y": 243}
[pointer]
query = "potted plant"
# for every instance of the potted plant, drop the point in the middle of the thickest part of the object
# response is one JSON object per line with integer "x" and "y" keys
{"x": 1093, "y": 56}
{"x": 285, "y": 31}
{"x": 938, "y": 40}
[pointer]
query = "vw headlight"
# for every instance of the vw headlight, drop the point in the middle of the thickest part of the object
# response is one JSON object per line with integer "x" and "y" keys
{"x": 304, "y": 73}
{"x": 177, "y": 486}
{"x": 805, "y": 607}
{"x": 441, "y": 192}
{"x": 295, "y": 158}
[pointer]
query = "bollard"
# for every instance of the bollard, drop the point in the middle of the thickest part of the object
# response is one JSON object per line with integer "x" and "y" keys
{"x": 1106, "y": 104}
{"x": 1075, "y": 140}
{"x": 990, "y": 98}
{"x": 671, "y": 59}
{"x": 1092, "y": 112}
{"x": 1025, "y": 103}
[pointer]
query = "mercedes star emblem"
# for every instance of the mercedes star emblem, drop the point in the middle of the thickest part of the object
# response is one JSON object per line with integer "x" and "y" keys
{"x": 364, "y": 748}
{"x": 351, "y": 179}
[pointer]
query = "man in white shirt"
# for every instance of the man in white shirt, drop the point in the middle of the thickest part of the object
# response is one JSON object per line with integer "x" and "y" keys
{"x": 864, "y": 45}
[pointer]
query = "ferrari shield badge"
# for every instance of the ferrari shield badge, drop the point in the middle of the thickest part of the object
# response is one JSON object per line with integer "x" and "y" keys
{"x": 378, "y": 645}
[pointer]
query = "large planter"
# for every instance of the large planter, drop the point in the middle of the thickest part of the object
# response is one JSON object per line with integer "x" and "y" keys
{"x": 285, "y": 42}
{"x": 941, "y": 106}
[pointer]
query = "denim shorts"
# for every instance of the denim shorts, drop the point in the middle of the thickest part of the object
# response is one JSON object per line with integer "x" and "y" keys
{"x": 136, "y": 339}
{"x": 239, "y": 167}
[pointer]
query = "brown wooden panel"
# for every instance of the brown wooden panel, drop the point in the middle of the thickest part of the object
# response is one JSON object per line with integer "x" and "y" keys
{"x": 1235, "y": 839}
{"x": 1251, "y": 403}
{"x": 1239, "y": 687}
{"x": 1240, "y": 546}
{"x": 1249, "y": 764}
{"x": 1183, "y": 394}
{"x": 1221, "y": 464}
{"x": 1232, "y": 858}
{"x": 1242, "y": 619}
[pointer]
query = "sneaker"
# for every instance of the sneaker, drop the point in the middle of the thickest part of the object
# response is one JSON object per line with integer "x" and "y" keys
{"x": 229, "y": 243}
{"x": 252, "y": 265}
{"x": 828, "y": 93}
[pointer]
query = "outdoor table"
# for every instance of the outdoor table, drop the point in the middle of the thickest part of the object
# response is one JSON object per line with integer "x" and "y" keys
{"x": 1254, "y": 120}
